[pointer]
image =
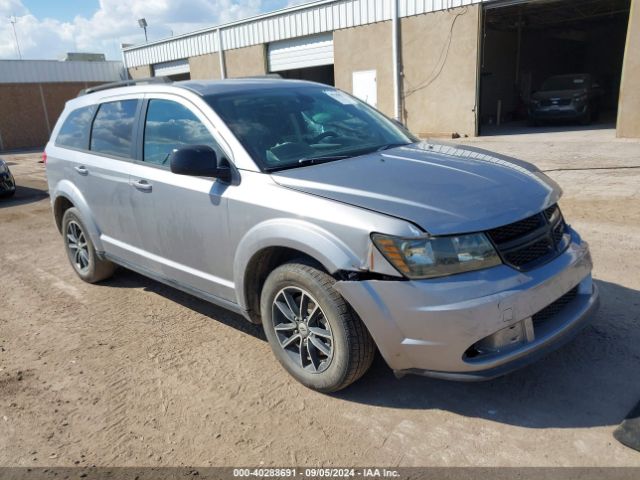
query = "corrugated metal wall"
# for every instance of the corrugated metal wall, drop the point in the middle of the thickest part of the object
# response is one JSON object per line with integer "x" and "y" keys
{"x": 318, "y": 17}
{"x": 52, "y": 71}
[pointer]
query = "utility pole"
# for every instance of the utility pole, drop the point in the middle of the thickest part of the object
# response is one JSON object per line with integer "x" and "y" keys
{"x": 13, "y": 21}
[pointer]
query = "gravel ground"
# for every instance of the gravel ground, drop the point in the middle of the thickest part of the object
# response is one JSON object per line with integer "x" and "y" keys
{"x": 133, "y": 373}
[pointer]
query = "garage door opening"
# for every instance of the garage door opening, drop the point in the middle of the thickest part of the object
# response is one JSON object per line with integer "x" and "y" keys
{"x": 305, "y": 58}
{"x": 551, "y": 63}
{"x": 176, "y": 70}
{"x": 322, "y": 74}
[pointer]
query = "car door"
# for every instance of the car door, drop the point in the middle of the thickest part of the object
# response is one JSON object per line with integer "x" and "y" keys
{"x": 104, "y": 169}
{"x": 180, "y": 221}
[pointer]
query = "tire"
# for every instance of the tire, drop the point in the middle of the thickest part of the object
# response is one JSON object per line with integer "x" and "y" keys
{"x": 8, "y": 194}
{"x": 86, "y": 264}
{"x": 349, "y": 348}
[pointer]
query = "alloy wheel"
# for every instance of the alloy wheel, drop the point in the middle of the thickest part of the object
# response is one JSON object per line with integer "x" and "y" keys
{"x": 77, "y": 246}
{"x": 302, "y": 329}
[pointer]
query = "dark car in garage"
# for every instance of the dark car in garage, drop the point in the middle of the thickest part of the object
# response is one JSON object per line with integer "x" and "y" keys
{"x": 7, "y": 183}
{"x": 574, "y": 97}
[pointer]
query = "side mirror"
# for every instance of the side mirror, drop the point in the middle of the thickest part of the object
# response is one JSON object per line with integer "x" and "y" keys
{"x": 198, "y": 161}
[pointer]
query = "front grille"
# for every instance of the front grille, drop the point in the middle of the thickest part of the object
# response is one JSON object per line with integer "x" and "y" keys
{"x": 556, "y": 307}
{"x": 524, "y": 256}
{"x": 515, "y": 230}
{"x": 528, "y": 243}
{"x": 548, "y": 212}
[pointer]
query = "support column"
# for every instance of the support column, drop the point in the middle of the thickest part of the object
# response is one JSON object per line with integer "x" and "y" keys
{"x": 628, "y": 124}
{"x": 223, "y": 72}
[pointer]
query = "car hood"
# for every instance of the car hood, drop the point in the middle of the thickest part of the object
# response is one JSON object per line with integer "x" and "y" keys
{"x": 558, "y": 94}
{"x": 442, "y": 188}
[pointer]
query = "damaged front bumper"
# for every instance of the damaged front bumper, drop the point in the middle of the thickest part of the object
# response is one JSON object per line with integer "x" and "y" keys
{"x": 477, "y": 325}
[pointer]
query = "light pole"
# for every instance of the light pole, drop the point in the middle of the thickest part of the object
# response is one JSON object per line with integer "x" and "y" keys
{"x": 13, "y": 21}
{"x": 143, "y": 24}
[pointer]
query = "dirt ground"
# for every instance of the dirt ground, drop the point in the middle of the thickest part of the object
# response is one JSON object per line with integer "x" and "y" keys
{"x": 133, "y": 373}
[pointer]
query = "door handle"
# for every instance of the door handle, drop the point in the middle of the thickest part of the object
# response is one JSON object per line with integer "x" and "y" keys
{"x": 82, "y": 170}
{"x": 142, "y": 185}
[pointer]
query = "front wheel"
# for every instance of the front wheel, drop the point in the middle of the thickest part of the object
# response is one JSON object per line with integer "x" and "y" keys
{"x": 312, "y": 330}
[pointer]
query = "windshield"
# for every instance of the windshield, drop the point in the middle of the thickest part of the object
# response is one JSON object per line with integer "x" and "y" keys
{"x": 300, "y": 125}
{"x": 565, "y": 82}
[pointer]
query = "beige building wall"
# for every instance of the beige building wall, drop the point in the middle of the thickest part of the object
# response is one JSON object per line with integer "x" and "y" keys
{"x": 247, "y": 61}
{"x": 143, "y": 71}
{"x": 439, "y": 69}
{"x": 365, "y": 48}
{"x": 205, "y": 67}
{"x": 629, "y": 102}
{"x": 440, "y": 61}
{"x": 33, "y": 111}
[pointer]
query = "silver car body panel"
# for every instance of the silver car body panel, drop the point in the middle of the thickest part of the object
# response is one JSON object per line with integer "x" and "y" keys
{"x": 428, "y": 325}
{"x": 200, "y": 234}
{"x": 482, "y": 190}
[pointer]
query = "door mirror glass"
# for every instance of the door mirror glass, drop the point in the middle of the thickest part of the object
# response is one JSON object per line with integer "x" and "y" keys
{"x": 198, "y": 161}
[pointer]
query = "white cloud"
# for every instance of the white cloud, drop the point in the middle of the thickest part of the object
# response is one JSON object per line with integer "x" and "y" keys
{"x": 115, "y": 22}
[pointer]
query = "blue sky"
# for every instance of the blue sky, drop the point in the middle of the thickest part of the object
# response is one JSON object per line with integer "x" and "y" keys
{"x": 47, "y": 29}
{"x": 65, "y": 10}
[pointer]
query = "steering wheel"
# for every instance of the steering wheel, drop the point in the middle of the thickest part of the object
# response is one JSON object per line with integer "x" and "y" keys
{"x": 323, "y": 135}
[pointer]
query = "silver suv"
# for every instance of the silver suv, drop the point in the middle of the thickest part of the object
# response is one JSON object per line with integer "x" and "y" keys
{"x": 308, "y": 211}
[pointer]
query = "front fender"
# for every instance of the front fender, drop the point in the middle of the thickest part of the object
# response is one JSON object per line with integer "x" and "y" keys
{"x": 326, "y": 248}
{"x": 68, "y": 190}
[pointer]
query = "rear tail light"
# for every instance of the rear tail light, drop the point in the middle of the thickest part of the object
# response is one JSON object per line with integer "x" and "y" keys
{"x": 44, "y": 157}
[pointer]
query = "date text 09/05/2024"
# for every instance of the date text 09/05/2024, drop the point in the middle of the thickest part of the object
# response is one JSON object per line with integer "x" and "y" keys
{"x": 315, "y": 472}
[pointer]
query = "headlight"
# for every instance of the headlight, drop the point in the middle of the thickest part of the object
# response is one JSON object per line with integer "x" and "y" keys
{"x": 429, "y": 257}
{"x": 580, "y": 98}
{"x": 3, "y": 167}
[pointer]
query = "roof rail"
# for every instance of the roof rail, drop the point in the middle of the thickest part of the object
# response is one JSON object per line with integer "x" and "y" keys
{"x": 124, "y": 83}
{"x": 266, "y": 75}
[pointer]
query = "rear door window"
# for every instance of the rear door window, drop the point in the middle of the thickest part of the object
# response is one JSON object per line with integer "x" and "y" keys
{"x": 170, "y": 125}
{"x": 74, "y": 132}
{"x": 112, "y": 132}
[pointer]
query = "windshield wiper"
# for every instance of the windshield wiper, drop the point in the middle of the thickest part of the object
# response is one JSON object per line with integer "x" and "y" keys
{"x": 330, "y": 158}
{"x": 321, "y": 159}
{"x": 303, "y": 162}
{"x": 391, "y": 145}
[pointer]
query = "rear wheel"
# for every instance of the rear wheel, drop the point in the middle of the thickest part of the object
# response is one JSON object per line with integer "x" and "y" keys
{"x": 312, "y": 330}
{"x": 80, "y": 250}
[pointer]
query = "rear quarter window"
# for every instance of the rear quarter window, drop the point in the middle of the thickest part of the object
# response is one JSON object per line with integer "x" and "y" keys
{"x": 74, "y": 132}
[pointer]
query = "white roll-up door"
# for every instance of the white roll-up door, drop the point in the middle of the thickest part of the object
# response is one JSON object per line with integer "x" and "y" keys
{"x": 171, "y": 68}
{"x": 302, "y": 52}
